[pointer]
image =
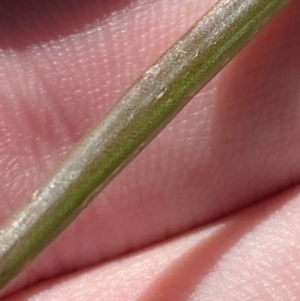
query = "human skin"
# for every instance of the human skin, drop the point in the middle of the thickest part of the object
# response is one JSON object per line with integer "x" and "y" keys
{"x": 234, "y": 145}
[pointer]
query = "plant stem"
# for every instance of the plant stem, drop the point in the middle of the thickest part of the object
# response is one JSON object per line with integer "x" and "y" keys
{"x": 133, "y": 122}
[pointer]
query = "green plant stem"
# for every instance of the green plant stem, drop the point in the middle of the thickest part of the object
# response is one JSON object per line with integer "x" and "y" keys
{"x": 132, "y": 123}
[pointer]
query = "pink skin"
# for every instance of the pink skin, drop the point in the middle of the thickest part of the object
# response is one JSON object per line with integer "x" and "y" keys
{"x": 63, "y": 66}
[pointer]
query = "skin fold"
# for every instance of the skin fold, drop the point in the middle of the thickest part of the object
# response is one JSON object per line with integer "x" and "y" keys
{"x": 234, "y": 145}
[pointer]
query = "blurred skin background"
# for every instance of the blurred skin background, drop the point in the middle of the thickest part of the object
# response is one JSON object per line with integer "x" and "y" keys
{"x": 210, "y": 210}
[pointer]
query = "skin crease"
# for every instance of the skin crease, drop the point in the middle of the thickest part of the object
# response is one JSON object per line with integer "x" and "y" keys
{"x": 232, "y": 146}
